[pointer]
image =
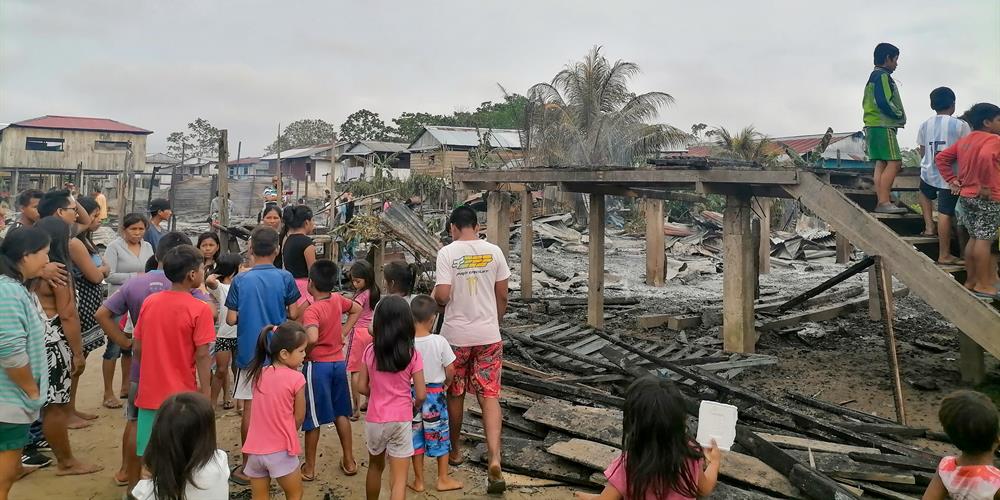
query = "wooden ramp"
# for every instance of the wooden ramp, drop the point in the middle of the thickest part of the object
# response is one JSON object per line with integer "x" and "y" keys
{"x": 976, "y": 319}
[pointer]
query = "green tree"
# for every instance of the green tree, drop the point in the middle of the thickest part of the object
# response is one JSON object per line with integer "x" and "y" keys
{"x": 179, "y": 144}
{"x": 746, "y": 145}
{"x": 303, "y": 133}
{"x": 364, "y": 125}
{"x": 200, "y": 140}
{"x": 587, "y": 115}
{"x": 408, "y": 125}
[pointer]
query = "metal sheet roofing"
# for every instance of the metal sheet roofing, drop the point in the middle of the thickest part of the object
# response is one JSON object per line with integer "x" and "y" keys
{"x": 299, "y": 152}
{"x": 469, "y": 136}
{"x": 801, "y": 144}
{"x": 160, "y": 158}
{"x": 81, "y": 123}
{"x": 367, "y": 147}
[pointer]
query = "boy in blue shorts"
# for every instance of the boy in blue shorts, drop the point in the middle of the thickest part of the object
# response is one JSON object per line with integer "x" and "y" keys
{"x": 328, "y": 397}
{"x": 264, "y": 295}
{"x": 431, "y": 436}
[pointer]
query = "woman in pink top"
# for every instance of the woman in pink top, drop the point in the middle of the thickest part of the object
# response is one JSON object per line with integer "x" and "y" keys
{"x": 367, "y": 293}
{"x": 660, "y": 460}
{"x": 389, "y": 364}
{"x": 272, "y": 444}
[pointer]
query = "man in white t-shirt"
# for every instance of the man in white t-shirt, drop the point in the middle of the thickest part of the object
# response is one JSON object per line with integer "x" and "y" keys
{"x": 471, "y": 284}
{"x": 936, "y": 134}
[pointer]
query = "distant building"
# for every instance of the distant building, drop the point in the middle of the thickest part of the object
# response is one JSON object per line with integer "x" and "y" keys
{"x": 360, "y": 158}
{"x": 437, "y": 151}
{"x": 60, "y": 144}
{"x": 846, "y": 149}
{"x": 309, "y": 163}
{"x": 244, "y": 168}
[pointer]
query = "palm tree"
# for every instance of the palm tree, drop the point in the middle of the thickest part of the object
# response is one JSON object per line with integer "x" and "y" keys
{"x": 746, "y": 145}
{"x": 588, "y": 116}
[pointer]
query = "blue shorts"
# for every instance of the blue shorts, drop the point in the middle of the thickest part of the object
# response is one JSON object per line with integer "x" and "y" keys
{"x": 431, "y": 436}
{"x": 327, "y": 393}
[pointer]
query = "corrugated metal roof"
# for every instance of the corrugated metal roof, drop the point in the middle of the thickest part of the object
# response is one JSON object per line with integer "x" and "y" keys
{"x": 367, "y": 147}
{"x": 81, "y": 123}
{"x": 469, "y": 136}
{"x": 299, "y": 152}
{"x": 801, "y": 144}
{"x": 250, "y": 160}
{"x": 160, "y": 158}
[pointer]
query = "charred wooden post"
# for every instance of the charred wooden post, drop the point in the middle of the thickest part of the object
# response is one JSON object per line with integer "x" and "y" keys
{"x": 884, "y": 285}
{"x": 655, "y": 250}
{"x": 763, "y": 210}
{"x": 527, "y": 240}
{"x": 738, "y": 280}
{"x": 498, "y": 220}
{"x": 595, "y": 271}
{"x": 844, "y": 249}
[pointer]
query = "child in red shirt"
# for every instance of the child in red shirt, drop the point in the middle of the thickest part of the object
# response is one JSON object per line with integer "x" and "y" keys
{"x": 328, "y": 397}
{"x": 272, "y": 444}
{"x": 172, "y": 338}
{"x": 978, "y": 183}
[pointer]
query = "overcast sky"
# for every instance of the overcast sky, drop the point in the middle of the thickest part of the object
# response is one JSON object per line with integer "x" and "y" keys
{"x": 786, "y": 67}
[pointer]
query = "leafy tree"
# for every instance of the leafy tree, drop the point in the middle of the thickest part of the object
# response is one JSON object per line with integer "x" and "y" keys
{"x": 179, "y": 144}
{"x": 303, "y": 133}
{"x": 408, "y": 124}
{"x": 747, "y": 145}
{"x": 364, "y": 125}
{"x": 200, "y": 140}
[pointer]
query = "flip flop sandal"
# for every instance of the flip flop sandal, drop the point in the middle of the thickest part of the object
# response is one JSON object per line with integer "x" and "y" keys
{"x": 228, "y": 405}
{"x": 347, "y": 472}
{"x": 986, "y": 296}
{"x": 305, "y": 477}
{"x": 112, "y": 403}
{"x": 237, "y": 480}
{"x": 495, "y": 487}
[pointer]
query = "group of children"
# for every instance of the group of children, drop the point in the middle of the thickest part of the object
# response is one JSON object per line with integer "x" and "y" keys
{"x": 960, "y": 168}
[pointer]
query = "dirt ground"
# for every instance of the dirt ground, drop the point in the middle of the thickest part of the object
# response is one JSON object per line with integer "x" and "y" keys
{"x": 101, "y": 443}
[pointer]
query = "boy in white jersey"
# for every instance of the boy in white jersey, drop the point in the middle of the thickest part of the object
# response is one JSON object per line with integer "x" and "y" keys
{"x": 936, "y": 134}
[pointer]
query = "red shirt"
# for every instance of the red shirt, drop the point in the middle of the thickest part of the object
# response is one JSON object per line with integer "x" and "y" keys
{"x": 171, "y": 326}
{"x": 978, "y": 156}
{"x": 325, "y": 315}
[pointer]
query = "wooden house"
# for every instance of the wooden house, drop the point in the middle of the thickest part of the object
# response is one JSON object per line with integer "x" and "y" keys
{"x": 312, "y": 163}
{"x": 437, "y": 150}
{"x": 360, "y": 158}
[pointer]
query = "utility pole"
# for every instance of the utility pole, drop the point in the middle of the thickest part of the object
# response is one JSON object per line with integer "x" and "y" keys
{"x": 281, "y": 190}
{"x": 223, "y": 170}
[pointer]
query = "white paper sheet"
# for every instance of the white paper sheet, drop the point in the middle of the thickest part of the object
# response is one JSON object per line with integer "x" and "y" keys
{"x": 717, "y": 421}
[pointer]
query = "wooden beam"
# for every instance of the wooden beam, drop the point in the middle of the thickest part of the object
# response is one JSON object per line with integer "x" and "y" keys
{"x": 797, "y": 443}
{"x": 763, "y": 210}
{"x": 498, "y": 220}
{"x": 595, "y": 271}
{"x": 655, "y": 249}
{"x": 627, "y": 176}
{"x": 971, "y": 363}
{"x": 884, "y": 281}
{"x": 947, "y": 296}
{"x": 737, "y": 279}
{"x": 653, "y": 192}
{"x": 379, "y": 262}
{"x": 223, "y": 189}
{"x": 527, "y": 240}
{"x": 844, "y": 249}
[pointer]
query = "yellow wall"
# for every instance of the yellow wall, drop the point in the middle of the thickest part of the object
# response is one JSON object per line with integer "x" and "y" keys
{"x": 78, "y": 147}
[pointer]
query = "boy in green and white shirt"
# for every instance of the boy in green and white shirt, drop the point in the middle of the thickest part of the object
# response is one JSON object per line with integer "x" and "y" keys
{"x": 883, "y": 116}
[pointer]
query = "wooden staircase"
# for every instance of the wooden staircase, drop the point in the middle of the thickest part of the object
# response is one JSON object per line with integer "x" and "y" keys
{"x": 911, "y": 259}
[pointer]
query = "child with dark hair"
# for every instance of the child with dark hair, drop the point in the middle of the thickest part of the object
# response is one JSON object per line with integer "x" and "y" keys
{"x": 978, "y": 184}
{"x": 183, "y": 459}
{"x": 172, "y": 338}
{"x": 264, "y": 295}
{"x": 938, "y": 133}
{"x": 159, "y": 211}
{"x": 272, "y": 445}
{"x": 971, "y": 421}
{"x": 328, "y": 397}
{"x": 298, "y": 251}
{"x": 366, "y": 293}
{"x": 883, "y": 116}
{"x": 389, "y": 364}
{"x": 399, "y": 279}
{"x": 226, "y": 267}
{"x": 431, "y": 436}
{"x": 659, "y": 459}
{"x": 27, "y": 204}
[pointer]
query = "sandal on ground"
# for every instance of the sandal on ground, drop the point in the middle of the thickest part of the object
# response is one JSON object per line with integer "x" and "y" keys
{"x": 228, "y": 405}
{"x": 953, "y": 262}
{"x": 112, "y": 403}
{"x": 925, "y": 233}
{"x": 495, "y": 486}
{"x": 233, "y": 478}
{"x": 305, "y": 477}
{"x": 986, "y": 296}
{"x": 349, "y": 472}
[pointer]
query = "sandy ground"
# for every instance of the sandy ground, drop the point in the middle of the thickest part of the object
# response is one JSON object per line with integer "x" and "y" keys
{"x": 101, "y": 443}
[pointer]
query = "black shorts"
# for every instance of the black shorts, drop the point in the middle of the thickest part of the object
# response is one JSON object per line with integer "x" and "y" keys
{"x": 946, "y": 200}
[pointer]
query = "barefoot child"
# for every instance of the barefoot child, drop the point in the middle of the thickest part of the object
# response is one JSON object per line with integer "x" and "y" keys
{"x": 272, "y": 445}
{"x": 183, "y": 458}
{"x": 389, "y": 364}
{"x": 660, "y": 460}
{"x": 430, "y": 425}
{"x": 172, "y": 337}
{"x": 328, "y": 397}
{"x": 367, "y": 293}
{"x": 223, "y": 271}
{"x": 970, "y": 419}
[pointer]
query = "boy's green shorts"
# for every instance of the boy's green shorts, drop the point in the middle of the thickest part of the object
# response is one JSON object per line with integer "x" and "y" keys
{"x": 13, "y": 436}
{"x": 881, "y": 144}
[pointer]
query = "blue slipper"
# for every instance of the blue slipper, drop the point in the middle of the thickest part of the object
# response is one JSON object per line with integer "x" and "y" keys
{"x": 986, "y": 296}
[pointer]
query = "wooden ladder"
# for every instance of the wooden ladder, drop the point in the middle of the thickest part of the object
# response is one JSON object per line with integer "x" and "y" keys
{"x": 895, "y": 238}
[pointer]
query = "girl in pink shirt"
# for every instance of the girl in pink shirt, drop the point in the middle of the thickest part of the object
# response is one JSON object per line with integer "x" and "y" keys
{"x": 389, "y": 364}
{"x": 367, "y": 293}
{"x": 272, "y": 443}
{"x": 660, "y": 461}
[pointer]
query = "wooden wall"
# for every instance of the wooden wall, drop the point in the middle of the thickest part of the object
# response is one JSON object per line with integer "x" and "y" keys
{"x": 78, "y": 147}
{"x": 438, "y": 163}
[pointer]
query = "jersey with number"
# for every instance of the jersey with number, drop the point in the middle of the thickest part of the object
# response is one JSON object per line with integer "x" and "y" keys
{"x": 936, "y": 134}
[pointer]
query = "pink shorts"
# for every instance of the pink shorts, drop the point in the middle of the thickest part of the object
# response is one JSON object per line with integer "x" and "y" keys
{"x": 273, "y": 465}
{"x": 360, "y": 340}
{"x": 303, "y": 285}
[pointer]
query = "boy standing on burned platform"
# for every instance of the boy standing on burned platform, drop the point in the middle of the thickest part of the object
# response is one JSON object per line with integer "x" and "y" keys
{"x": 883, "y": 116}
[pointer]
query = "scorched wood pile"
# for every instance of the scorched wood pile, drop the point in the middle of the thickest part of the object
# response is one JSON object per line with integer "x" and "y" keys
{"x": 563, "y": 420}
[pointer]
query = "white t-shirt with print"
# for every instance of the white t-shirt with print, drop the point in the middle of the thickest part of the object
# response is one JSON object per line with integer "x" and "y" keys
{"x": 472, "y": 268}
{"x": 437, "y": 354}
{"x": 212, "y": 482}
{"x": 223, "y": 330}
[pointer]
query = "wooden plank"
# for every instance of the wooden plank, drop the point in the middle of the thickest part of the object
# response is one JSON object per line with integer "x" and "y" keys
{"x": 844, "y": 249}
{"x": 885, "y": 429}
{"x": 408, "y": 227}
{"x": 575, "y": 393}
{"x": 822, "y": 313}
{"x": 737, "y": 281}
{"x": 529, "y": 457}
{"x": 597, "y": 456}
{"x": 527, "y": 240}
{"x": 947, "y": 296}
{"x": 623, "y": 176}
{"x": 971, "y": 362}
{"x": 223, "y": 175}
{"x": 602, "y": 425}
{"x": 655, "y": 249}
{"x": 884, "y": 282}
{"x": 514, "y": 480}
{"x": 884, "y": 492}
{"x": 763, "y": 211}
{"x": 613, "y": 190}
{"x": 674, "y": 322}
{"x": 595, "y": 268}
{"x": 797, "y": 443}
{"x": 897, "y": 461}
{"x": 838, "y": 409}
{"x": 841, "y": 466}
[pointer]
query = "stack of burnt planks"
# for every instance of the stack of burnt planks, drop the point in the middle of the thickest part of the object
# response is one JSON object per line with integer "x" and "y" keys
{"x": 563, "y": 420}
